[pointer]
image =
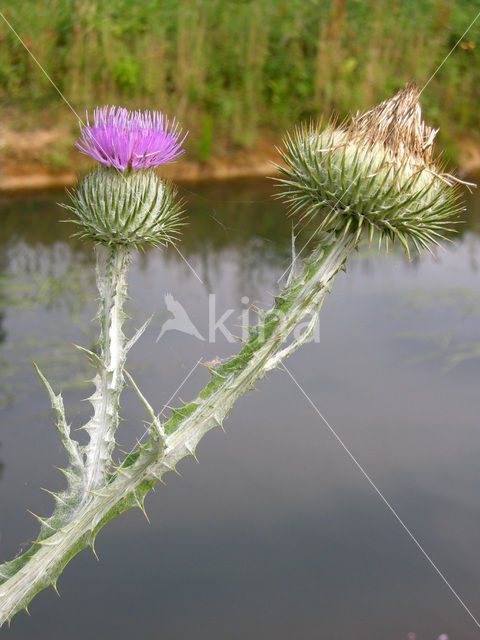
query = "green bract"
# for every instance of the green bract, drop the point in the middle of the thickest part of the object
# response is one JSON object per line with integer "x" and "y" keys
{"x": 374, "y": 174}
{"x": 135, "y": 208}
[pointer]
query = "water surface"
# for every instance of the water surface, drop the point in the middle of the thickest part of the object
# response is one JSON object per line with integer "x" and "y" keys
{"x": 276, "y": 534}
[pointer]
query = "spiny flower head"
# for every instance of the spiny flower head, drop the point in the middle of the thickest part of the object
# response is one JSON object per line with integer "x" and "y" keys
{"x": 126, "y": 139}
{"x": 134, "y": 209}
{"x": 374, "y": 173}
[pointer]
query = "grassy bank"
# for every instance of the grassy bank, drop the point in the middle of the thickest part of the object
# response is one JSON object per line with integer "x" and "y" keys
{"x": 232, "y": 70}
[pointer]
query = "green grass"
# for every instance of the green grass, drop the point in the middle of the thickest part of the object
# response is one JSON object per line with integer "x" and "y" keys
{"x": 234, "y": 70}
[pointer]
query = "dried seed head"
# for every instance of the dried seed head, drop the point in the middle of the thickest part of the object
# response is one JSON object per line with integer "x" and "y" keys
{"x": 375, "y": 173}
{"x": 397, "y": 124}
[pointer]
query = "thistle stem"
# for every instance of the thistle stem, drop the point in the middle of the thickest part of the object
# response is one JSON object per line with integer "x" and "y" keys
{"x": 112, "y": 267}
{"x": 41, "y": 565}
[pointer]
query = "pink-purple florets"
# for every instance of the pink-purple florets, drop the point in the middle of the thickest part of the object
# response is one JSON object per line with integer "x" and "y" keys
{"x": 130, "y": 139}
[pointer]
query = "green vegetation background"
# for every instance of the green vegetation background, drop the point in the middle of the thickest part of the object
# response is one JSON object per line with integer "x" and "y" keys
{"x": 234, "y": 71}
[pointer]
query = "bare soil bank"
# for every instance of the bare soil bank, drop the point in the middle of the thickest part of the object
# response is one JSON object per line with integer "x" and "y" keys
{"x": 28, "y": 163}
{"x": 28, "y": 159}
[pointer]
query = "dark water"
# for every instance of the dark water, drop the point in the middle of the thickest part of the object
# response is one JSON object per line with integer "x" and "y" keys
{"x": 275, "y": 534}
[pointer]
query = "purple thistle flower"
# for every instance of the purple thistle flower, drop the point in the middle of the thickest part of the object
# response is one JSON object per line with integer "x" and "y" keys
{"x": 130, "y": 139}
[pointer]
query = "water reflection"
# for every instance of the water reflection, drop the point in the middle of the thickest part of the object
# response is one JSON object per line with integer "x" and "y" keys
{"x": 3, "y": 333}
{"x": 274, "y": 534}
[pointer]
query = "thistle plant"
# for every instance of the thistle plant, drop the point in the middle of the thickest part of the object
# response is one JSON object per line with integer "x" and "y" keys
{"x": 373, "y": 176}
{"x": 375, "y": 173}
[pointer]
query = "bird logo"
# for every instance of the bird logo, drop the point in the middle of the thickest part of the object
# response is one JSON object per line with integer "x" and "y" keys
{"x": 180, "y": 320}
